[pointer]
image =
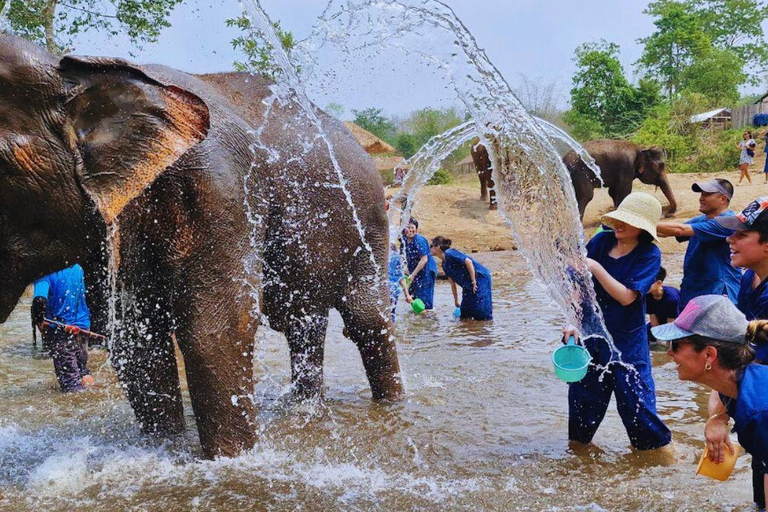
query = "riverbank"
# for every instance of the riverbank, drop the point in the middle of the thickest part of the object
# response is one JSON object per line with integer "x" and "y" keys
{"x": 456, "y": 211}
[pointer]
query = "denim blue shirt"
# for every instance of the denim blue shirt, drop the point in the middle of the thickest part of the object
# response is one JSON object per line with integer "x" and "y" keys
{"x": 417, "y": 248}
{"x": 754, "y": 305}
{"x": 637, "y": 271}
{"x": 750, "y": 415}
{"x": 707, "y": 267}
{"x": 65, "y": 291}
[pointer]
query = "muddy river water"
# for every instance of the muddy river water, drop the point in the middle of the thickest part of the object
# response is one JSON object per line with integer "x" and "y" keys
{"x": 483, "y": 427}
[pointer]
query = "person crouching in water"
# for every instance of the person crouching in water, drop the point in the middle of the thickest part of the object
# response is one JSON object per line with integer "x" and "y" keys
{"x": 624, "y": 264}
{"x": 474, "y": 279}
{"x": 60, "y": 296}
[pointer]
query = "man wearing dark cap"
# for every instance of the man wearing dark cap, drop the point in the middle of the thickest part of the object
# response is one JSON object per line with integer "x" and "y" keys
{"x": 707, "y": 266}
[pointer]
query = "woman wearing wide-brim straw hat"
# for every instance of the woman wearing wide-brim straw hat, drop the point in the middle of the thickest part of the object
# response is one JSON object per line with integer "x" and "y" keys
{"x": 624, "y": 263}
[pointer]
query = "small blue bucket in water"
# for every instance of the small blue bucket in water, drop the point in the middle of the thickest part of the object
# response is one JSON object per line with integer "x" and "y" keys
{"x": 571, "y": 361}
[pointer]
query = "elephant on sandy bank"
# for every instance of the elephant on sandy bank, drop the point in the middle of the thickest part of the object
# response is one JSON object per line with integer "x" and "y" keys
{"x": 92, "y": 144}
{"x": 484, "y": 169}
{"x": 621, "y": 162}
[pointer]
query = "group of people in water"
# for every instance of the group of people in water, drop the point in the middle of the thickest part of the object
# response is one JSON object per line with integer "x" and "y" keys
{"x": 719, "y": 339}
{"x": 419, "y": 282}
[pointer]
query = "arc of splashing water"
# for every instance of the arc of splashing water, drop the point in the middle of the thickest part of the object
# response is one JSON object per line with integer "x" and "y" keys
{"x": 527, "y": 165}
{"x": 289, "y": 88}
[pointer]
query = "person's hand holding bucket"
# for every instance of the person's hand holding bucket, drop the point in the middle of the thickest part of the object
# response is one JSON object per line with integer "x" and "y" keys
{"x": 719, "y": 471}
{"x": 571, "y": 361}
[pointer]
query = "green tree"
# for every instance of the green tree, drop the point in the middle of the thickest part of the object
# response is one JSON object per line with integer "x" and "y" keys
{"x": 717, "y": 75}
{"x": 737, "y": 26}
{"x": 603, "y": 102}
{"x": 405, "y": 144}
{"x": 373, "y": 120}
{"x": 56, "y": 23}
{"x": 679, "y": 38}
{"x": 696, "y": 33}
{"x": 428, "y": 122}
{"x": 258, "y": 54}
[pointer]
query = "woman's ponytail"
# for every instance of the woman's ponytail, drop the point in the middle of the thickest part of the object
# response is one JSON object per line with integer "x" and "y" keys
{"x": 757, "y": 332}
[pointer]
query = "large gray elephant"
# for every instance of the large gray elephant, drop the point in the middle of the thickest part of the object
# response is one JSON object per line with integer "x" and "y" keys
{"x": 92, "y": 144}
{"x": 621, "y": 162}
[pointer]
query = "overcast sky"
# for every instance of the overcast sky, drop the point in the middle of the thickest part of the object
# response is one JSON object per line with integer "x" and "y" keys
{"x": 535, "y": 38}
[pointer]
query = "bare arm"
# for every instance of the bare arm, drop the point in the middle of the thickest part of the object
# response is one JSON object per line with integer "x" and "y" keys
{"x": 716, "y": 430}
{"x": 406, "y": 294}
{"x": 422, "y": 263}
{"x": 674, "y": 229}
{"x": 455, "y": 292}
{"x": 472, "y": 276}
{"x": 654, "y": 320}
{"x": 615, "y": 289}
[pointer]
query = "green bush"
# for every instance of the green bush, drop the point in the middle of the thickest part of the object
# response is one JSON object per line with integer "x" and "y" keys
{"x": 716, "y": 152}
{"x": 441, "y": 177}
{"x": 388, "y": 177}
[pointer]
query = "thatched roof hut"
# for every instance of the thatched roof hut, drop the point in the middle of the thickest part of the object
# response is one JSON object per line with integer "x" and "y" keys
{"x": 371, "y": 143}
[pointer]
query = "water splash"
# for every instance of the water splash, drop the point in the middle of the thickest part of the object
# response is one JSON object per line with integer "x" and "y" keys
{"x": 535, "y": 192}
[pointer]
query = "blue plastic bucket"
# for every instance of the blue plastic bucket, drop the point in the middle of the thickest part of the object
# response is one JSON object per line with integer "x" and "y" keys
{"x": 571, "y": 361}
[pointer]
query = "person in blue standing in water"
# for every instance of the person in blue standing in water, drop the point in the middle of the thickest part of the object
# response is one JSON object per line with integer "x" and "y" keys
{"x": 395, "y": 278}
{"x": 624, "y": 264}
{"x": 713, "y": 343}
{"x": 422, "y": 269}
{"x": 474, "y": 279}
{"x": 60, "y": 296}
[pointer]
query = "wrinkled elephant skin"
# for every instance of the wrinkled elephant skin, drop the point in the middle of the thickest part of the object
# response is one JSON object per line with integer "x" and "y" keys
{"x": 88, "y": 143}
{"x": 620, "y": 163}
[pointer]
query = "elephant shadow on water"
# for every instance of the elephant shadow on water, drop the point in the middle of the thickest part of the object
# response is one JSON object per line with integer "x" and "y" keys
{"x": 89, "y": 143}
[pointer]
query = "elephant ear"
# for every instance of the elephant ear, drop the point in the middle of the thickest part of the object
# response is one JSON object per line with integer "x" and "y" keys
{"x": 129, "y": 127}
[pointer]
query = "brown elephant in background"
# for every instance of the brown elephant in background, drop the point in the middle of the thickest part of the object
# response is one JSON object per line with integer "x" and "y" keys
{"x": 484, "y": 169}
{"x": 212, "y": 228}
{"x": 621, "y": 162}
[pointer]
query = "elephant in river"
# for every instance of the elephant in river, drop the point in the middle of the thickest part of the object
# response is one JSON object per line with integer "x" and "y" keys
{"x": 217, "y": 205}
{"x": 620, "y": 162}
{"x": 484, "y": 169}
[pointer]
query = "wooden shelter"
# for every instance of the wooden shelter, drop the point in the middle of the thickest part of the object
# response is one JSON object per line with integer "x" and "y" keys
{"x": 371, "y": 143}
{"x": 720, "y": 118}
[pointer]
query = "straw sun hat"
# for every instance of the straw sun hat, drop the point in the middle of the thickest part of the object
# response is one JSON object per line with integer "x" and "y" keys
{"x": 639, "y": 210}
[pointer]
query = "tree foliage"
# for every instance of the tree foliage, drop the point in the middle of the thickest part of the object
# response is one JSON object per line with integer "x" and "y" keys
{"x": 258, "y": 54}
{"x": 373, "y": 120}
{"x": 603, "y": 102}
{"x": 694, "y": 35}
{"x": 56, "y": 23}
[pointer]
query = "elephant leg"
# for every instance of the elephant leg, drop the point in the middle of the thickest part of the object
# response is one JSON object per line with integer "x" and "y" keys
{"x": 306, "y": 340}
{"x": 218, "y": 357}
{"x": 619, "y": 192}
{"x": 371, "y": 330}
{"x": 145, "y": 361}
{"x": 483, "y": 187}
{"x": 492, "y": 192}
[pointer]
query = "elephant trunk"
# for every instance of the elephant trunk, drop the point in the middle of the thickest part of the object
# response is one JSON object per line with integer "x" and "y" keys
{"x": 666, "y": 189}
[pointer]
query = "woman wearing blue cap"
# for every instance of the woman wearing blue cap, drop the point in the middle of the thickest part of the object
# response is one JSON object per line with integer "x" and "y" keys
{"x": 712, "y": 343}
{"x": 474, "y": 279}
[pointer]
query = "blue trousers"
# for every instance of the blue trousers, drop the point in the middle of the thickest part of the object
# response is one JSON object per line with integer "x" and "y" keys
{"x": 635, "y": 400}
{"x": 70, "y": 359}
{"x": 423, "y": 287}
